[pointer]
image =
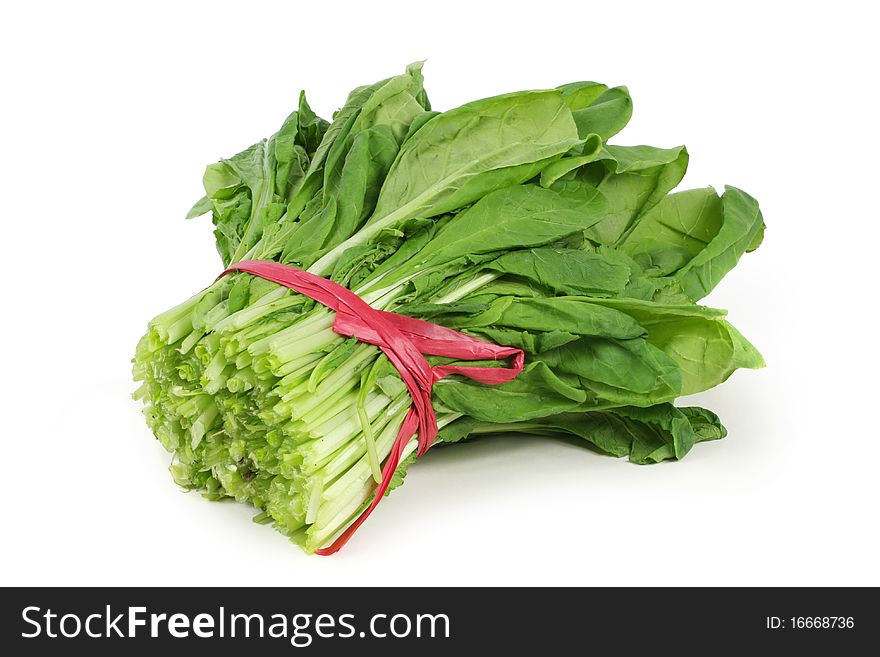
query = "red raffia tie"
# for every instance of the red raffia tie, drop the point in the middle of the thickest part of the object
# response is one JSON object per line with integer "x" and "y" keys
{"x": 405, "y": 341}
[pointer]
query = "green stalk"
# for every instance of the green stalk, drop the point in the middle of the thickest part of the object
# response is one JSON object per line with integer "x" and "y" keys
{"x": 463, "y": 290}
{"x": 367, "y": 384}
{"x": 267, "y": 185}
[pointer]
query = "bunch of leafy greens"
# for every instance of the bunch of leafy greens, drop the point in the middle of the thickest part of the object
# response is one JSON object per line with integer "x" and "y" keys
{"x": 510, "y": 218}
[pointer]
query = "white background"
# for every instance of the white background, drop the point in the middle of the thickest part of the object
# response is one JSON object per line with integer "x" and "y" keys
{"x": 109, "y": 115}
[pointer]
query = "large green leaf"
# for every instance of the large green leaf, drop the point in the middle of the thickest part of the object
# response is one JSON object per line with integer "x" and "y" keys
{"x": 695, "y": 237}
{"x": 645, "y": 435}
{"x": 633, "y": 179}
{"x": 597, "y": 109}
{"x": 536, "y": 392}
{"x": 461, "y": 155}
{"x": 568, "y": 271}
{"x": 514, "y": 217}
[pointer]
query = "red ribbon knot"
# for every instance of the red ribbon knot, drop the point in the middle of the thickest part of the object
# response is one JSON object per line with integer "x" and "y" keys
{"x": 405, "y": 341}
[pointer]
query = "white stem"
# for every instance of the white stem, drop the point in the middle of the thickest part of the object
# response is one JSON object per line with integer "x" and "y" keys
{"x": 467, "y": 288}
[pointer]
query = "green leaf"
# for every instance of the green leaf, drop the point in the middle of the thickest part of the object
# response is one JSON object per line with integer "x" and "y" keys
{"x": 395, "y": 104}
{"x": 570, "y": 314}
{"x": 537, "y": 391}
{"x": 607, "y": 115}
{"x": 418, "y": 122}
{"x": 664, "y": 421}
{"x": 695, "y": 237}
{"x": 535, "y": 343}
{"x": 347, "y": 118}
{"x": 705, "y": 423}
{"x": 707, "y": 351}
{"x": 515, "y": 217}
{"x": 568, "y": 271}
{"x": 634, "y": 365}
{"x": 294, "y": 144}
{"x": 741, "y": 230}
{"x": 645, "y": 435}
{"x": 578, "y": 95}
{"x": 239, "y": 188}
{"x": 366, "y": 165}
{"x": 633, "y": 179}
{"x": 674, "y": 232}
{"x": 203, "y": 206}
{"x": 465, "y": 153}
{"x": 591, "y": 150}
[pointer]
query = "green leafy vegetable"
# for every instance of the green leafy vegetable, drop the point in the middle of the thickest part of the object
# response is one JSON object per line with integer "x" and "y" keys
{"x": 511, "y": 219}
